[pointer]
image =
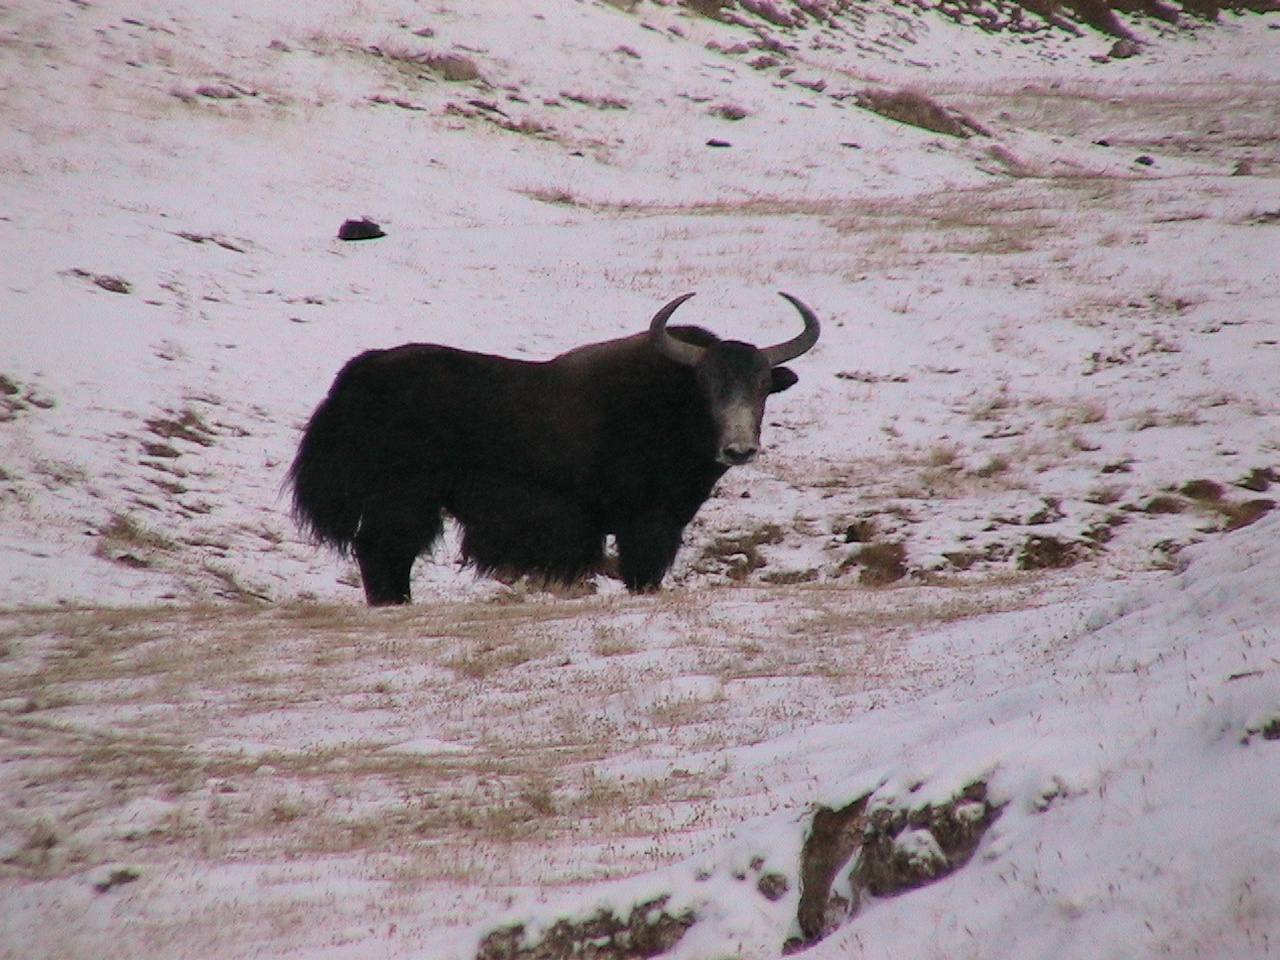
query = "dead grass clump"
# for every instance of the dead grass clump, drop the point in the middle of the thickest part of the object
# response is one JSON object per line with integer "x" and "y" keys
{"x": 15, "y": 398}
{"x": 739, "y": 555}
{"x": 1081, "y": 413}
{"x": 1242, "y": 514}
{"x": 59, "y": 473}
{"x": 1105, "y": 494}
{"x": 538, "y": 794}
{"x": 453, "y": 67}
{"x": 918, "y": 110}
{"x": 231, "y": 588}
{"x": 596, "y": 101}
{"x": 714, "y": 9}
{"x": 492, "y": 656}
{"x": 558, "y": 196}
{"x": 728, "y": 111}
{"x": 1164, "y": 504}
{"x": 37, "y": 852}
{"x": 1202, "y": 490}
{"x": 1258, "y": 479}
{"x": 1050, "y": 553}
{"x": 991, "y": 407}
{"x": 879, "y": 563}
{"x": 996, "y": 465}
{"x": 450, "y": 67}
{"x": 188, "y": 425}
{"x": 610, "y": 642}
{"x": 965, "y": 559}
{"x": 783, "y": 578}
{"x": 126, "y": 540}
{"x": 490, "y": 112}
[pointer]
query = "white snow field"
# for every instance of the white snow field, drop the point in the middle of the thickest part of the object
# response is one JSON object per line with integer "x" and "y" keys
{"x": 1000, "y": 590}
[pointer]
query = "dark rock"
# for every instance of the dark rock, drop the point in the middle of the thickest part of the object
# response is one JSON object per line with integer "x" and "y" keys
{"x": 363, "y": 229}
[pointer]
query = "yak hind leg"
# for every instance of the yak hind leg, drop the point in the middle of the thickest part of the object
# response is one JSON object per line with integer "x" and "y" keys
{"x": 647, "y": 548}
{"x": 513, "y": 527}
{"x": 393, "y": 532}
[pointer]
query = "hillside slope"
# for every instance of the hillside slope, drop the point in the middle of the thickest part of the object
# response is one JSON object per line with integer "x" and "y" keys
{"x": 1009, "y": 540}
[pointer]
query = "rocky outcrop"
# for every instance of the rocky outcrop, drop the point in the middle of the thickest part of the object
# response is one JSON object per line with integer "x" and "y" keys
{"x": 875, "y": 846}
{"x": 882, "y": 850}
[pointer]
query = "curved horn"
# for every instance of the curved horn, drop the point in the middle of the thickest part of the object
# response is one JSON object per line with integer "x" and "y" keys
{"x": 683, "y": 353}
{"x": 790, "y": 349}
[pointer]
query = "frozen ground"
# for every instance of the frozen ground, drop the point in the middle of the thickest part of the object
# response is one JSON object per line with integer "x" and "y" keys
{"x": 1048, "y": 371}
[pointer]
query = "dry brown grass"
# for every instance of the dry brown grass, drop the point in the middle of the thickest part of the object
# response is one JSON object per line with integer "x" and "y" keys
{"x": 477, "y": 744}
{"x": 917, "y": 109}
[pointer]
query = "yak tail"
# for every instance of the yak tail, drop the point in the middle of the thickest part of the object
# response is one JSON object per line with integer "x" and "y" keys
{"x": 327, "y": 475}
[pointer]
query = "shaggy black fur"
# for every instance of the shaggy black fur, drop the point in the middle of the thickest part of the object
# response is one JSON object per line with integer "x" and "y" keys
{"x": 538, "y": 461}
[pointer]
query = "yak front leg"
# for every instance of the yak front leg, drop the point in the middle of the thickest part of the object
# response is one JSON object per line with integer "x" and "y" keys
{"x": 647, "y": 548}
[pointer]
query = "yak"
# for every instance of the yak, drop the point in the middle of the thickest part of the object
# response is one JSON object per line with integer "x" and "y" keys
{"x": 537, "y": 461}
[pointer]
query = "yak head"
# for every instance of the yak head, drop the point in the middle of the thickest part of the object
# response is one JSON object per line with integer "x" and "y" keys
{"x": 735, "y": 378}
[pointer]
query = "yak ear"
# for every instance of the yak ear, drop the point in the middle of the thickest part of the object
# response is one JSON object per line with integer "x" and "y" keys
{"x": 783, "y": 379}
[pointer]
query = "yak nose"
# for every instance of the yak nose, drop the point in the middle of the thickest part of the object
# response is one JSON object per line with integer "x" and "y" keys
{"x": 736, "y": 454}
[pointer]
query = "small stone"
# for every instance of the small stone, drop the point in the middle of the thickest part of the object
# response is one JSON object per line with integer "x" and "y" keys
{"x": 113, "y": 284}
{"x": 773, "y": 886}
{"x": 362, "y": 229}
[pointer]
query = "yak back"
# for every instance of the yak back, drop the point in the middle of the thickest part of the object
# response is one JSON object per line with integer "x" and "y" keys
{"x": 614, "y": 424}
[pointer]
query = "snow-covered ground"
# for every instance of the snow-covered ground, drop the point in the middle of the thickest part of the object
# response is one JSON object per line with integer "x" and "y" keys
{"x": 1045, "y": 392}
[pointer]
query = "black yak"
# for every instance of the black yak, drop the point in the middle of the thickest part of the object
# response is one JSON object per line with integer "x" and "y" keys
{"x": 537, "y": 461}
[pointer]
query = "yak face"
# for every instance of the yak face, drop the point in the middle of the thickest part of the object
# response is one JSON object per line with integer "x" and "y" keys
{"x": 735, "y": 378}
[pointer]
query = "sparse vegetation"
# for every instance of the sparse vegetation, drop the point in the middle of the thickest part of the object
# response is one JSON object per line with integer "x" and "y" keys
{"x": 739, "y": 555}
{"x": 918, "y": 110}
{"x": 126, "y": 540}
{"x": 879, "y": 564}
{"x": 17, "y": 398}
{"x": 187, "y": 425}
